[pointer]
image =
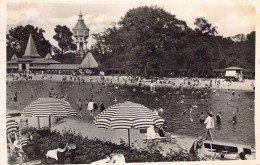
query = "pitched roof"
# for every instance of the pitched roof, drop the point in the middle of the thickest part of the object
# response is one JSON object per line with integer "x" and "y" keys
{"x": 89, "y": 62}
{"x": 14, "y": 57}
{"x": 80, "y": 24}
{"x": 48, "y": 56}
{"x": 63, "y": 67}
{"x": 12, "y": 62}
{"x": 233, "y": 68}
{"x": 31, "y": 50}
{"x": 44, "y": 61}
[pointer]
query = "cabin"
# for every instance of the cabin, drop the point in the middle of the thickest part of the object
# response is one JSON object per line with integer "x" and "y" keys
{"x": 234, "y": 73}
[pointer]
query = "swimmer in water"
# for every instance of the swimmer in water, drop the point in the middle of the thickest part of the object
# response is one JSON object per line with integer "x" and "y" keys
{"x": 191, "y": 119}
{"x": 202, "y": 117}
{"x": 218, "y": 117}
{"x": 195, "y": 106}
{"x": 115, "y": 99}
{"x": 250, "y": 108}
{"x": 184, "y": 112}
{"x": 191, "y": 110}
{"x": 234, "y": 117}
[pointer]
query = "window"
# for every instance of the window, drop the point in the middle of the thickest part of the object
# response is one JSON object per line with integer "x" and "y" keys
{"x": 75, "y": 32}
{"x": 80, "y": 32}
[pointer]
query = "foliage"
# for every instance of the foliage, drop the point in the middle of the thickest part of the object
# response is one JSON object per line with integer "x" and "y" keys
{"x": 17, "y": 39}
{"x": 89, "y": 150}
{"x": 144, "y": 38}
{"x": 200, "y": 52}
{"x": 66, "y": 58}
{"x": 149, "y": 39}
{"x": 64, "y": 38}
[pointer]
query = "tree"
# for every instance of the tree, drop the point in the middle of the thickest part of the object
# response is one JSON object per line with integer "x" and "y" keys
{"x": 145, "y": 38}
{"x": 148, "y": 39}
{"x": 201, "y": 52}
{"x": 17, "y": 39}
{"x": 64, "y": 38}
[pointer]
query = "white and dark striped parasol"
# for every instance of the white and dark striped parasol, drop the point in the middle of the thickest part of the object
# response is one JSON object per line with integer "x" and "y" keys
{"x": 46, "y": 107}
{"x": 8, "y": 117}
{"x": 11, "y": 124}
{"x": 127, "y": 115}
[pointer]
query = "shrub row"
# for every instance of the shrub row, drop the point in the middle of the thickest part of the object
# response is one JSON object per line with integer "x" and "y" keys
{"x": 89, "y": 150}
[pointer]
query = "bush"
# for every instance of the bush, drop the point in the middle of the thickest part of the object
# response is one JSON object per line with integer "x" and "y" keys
{"x": 89, "y": 150}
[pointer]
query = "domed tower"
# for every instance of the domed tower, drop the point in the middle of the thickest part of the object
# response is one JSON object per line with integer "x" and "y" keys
{"x": 81, "y": 34}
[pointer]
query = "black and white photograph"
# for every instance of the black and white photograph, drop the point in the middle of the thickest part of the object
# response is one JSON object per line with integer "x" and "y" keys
{"x": 104, "y": 82}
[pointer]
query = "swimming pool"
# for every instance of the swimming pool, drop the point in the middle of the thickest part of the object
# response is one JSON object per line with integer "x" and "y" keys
{"x": 176, "y": 103}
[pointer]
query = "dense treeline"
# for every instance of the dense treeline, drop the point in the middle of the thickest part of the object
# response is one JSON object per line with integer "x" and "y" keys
{"x": 148, "y": 39}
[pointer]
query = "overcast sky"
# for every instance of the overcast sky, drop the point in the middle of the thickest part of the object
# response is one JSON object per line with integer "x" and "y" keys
{"x": 230, "y": 20}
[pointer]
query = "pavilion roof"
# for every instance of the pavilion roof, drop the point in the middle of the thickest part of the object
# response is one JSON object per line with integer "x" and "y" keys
{"x": 89, "y": 62}
{"x": 44, "y": 61}
{"x": 63, "y": 67}
{"x": 31, "y": 51}
{"x": 48, "y": 56}
{"x": 14, "y": 57}
{"x": 233, "y": 68}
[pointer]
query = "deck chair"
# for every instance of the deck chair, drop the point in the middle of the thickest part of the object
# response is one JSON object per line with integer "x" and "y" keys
{"x": 152, "y": 135}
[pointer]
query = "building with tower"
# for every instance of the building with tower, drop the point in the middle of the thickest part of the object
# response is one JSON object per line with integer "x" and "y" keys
{"x": 81, "y": 34}
{"x": 31, "y": 61}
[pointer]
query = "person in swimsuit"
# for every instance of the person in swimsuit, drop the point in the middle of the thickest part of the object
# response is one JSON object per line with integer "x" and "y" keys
{"x": 209, "y": 126}
{"x": 15, "y": 100}
{"x": 202, "y": 117}
{"x": 79, "y": 107}
{"x": 12, "y": 140}
{"x": 72, "y": 148}
{"x": 61, "y": 151}
{"x": 218, "y": 117}
{"x": 196, "y": 147}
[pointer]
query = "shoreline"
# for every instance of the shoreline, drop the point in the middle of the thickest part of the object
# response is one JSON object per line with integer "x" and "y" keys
{"x": 245, "y": 86}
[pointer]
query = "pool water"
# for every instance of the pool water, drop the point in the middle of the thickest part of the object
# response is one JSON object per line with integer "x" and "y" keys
{"x": 176, "y": 103}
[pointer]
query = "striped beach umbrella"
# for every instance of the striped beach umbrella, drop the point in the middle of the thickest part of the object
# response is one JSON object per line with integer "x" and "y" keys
{"x": 127, "y": 115}
{"x": 8, "y": 117}
{"x": 46, "y": 107}
{"x": 11, "y": 125}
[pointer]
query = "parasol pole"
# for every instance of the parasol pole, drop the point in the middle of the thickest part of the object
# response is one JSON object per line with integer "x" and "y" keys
{"x": 38, "y": 120}
{"x": 129, "y": 137}
{"x": 50, "y": 123}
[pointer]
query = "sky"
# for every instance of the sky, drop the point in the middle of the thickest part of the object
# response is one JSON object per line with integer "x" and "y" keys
{"x": 229, "y": 19}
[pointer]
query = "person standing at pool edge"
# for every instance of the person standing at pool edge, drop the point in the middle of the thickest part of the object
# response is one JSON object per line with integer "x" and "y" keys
{"x": 209, "y": 126}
